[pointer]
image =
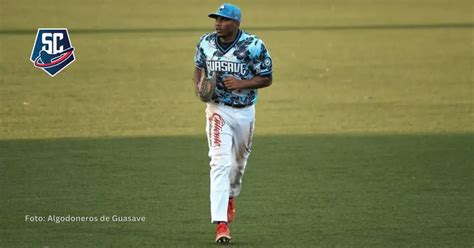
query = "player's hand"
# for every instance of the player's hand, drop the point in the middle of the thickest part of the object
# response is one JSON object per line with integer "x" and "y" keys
{"x": 232, "y": 83}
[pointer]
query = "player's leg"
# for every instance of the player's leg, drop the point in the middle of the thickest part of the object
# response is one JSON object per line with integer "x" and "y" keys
{"x": 241, "y": 153}
{"x": 243, "y": 134}
{"x": 220, "y": 141}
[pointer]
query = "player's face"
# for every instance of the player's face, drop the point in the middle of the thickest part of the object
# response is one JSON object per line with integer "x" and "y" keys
{"x": 226, "y": 27}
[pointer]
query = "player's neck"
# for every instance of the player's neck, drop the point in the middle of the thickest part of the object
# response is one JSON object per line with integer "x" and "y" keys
{"x": 230, "y": 38}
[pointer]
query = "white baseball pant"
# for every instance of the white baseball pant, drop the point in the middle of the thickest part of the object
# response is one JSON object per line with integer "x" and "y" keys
{"x": 229, "y": 133}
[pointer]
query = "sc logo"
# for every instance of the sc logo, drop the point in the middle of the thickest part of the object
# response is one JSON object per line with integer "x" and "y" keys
{"x": 51, "y": 41}
{"x": 52, "y": 50}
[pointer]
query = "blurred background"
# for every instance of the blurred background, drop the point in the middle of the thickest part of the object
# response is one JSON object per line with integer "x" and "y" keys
{"x": 340, "y": 67}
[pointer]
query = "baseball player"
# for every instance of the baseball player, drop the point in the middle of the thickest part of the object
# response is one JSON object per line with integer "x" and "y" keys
{"x": 243, "y": 65}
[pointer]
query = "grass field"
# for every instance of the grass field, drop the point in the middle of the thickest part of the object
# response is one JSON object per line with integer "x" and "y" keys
{"x": 365, "y": 138}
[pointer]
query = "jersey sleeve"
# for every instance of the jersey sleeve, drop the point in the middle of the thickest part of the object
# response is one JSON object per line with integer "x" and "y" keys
{"x": 199, "y": 56}
{"x": 262, "y": 61}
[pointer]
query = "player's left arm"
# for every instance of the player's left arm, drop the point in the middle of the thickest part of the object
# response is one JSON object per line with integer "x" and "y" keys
{"x": 256, "y": 82}
{"x": 262, "y": 69}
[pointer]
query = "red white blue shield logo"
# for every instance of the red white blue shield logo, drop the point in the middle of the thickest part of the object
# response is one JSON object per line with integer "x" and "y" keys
{"x": 53, "y": 50}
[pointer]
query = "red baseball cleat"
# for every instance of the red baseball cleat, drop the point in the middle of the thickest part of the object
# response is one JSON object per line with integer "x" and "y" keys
{"x": 223, "y": 234}
{"x": 231, "y": 210}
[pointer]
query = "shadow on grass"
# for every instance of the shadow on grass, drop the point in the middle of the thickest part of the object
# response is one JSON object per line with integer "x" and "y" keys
{"x": 323, "y": 190}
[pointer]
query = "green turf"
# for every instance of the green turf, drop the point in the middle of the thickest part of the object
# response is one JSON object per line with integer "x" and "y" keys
{"x": 348, "y": 190}
{"x": 365, "y": 138}
{"x": 137, "y": 82}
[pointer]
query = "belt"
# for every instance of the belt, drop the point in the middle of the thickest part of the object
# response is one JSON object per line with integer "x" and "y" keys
{"x": 233, "y": 105}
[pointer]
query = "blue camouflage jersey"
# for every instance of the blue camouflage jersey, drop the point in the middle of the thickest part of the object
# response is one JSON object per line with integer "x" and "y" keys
{"x": 245, "y": 58}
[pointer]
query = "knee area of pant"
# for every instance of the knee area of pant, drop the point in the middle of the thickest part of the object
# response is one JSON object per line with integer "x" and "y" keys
{"x": 221, "y": 160}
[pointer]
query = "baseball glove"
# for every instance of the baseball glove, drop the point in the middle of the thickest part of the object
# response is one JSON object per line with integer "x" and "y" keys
{"x": 205, "y": 87}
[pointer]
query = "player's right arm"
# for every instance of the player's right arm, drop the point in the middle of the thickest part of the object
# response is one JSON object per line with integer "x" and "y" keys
{"x": 198, "y": 74}
{"x": 199, "y": 61}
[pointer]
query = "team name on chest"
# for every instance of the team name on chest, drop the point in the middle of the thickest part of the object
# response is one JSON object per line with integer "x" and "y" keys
{"x": 225, "y": 66}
